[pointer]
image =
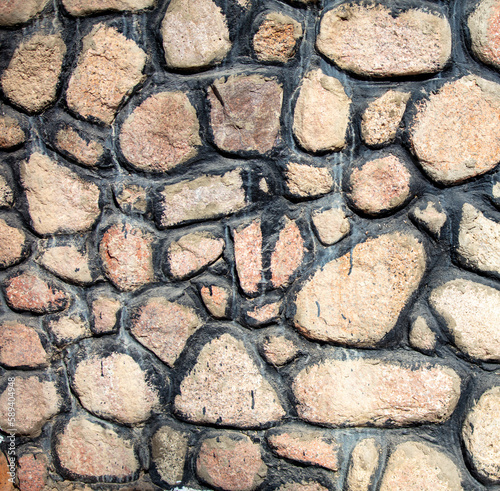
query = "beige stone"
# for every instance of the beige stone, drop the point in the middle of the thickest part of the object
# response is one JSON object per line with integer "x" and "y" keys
{"x": 226, "y": 387}
{"x": 421, "y": 336}
{"x": 430, "y": 217}
{"x": 306, "y": 181}
{"x": 357, "y": 298}
{"x": 263, "y": 313}
{"x": 279, "y": 350}
{"x": 373, "y": 392}
{"x": 109, "y": 68}
{"x": 195, "y": 34}
{"x": 20, "y": 346}
{"x": 216, "y": 300}
{"x": 455, "y": 132}
{"x": 418, "y": 465}
{"x": 59, "y": 200}
{"x": 302, "y": 486}
{"x": 16, "y": 12}
{"x": 83, "y": 150}
{"x": 331, "y": 225}
{"x": 364, "y": 462}
{"x": 480, "y": 435}
{"x": 30, "y": 81}
{"x": 169, "y": 449}
{"x": 132, "y": 198}
{"x": 67, "y": 262}
{"x": 12, "y": 245}
{"x": 321, "y": 114}
{"x": 483, "y": 29}
{"x": 69, "y": 329}
{"x": 6, "y": 193}
{"x": 104, "y": 310}
{"x": 11, "y": 134}
{"x": 368, "y": 39}
{"x": 248, "y": 256}
{"x": 382, "y": 117}
{"x": 88, "y": 7}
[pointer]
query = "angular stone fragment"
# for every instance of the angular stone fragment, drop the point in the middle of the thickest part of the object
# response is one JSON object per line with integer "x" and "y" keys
{"x": 421, "y": 336}
{"x": 330, "y": 225}
{"x": 86, "y": 152}
{"x": 164, "y": 327}
{"x": 94, "y": 451}
{"x": 483, "y": 29}
{"x": 383, "y": 116}
{"x": 248, "y": 256}
{"x": 417, "y": 465}
{"x": 115, "y": 387}
{"x": 470, "y": 311}
{"x": 104, "y": 313}
{"x": 264, "y": 313}
{"x": 455, "y": 132}
{"x": 431, "y": 217}
{"x": 226, "y": 387}
{"x": 216, "y": 300}
{"x": 16, "y": 12}
{"x": 372, "y": 392}
{"x": 364, "y": 462}
{"x": 195, "y": 34}
{"x": 67, "y": 262}
{"x": 20, "y": 346}
{"x": 356, "y": 299}
{"x": 80, "y": 8}
{"x": 321, "y": 113}
{"x": 11, "y": 134}
{"x": 30, "y": 80}
{"x": 68, "y": 329}
{"x": 287, "y": 255}
{"x": 169, "y": 449}
{"x": 109, "y": 68}
{"x": 306, "y": 181}
{"x": 32, "y": 472}
{"x": 277, "y": 37}
{"x": 231, "y": 462}
{"x": 373, "y": 41}
{"x": 161, "y": 133}
{"x": 132, "y": 198}
{"x": 6, "y": 193}
{"x": 278, "y": 350}
{"x": 127, "y": 256}
{"x": 203, "y": 198}
{"x": 12, "y": 245}
{"x": 480, "y": 435}
{"x": 59, "y": 200}
{"x": 245, "y": 113}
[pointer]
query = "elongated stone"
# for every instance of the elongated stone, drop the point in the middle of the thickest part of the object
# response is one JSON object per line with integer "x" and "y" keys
{"x": 483, "y": 28}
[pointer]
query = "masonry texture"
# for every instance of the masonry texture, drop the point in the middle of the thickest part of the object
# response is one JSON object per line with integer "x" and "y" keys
{"x": 249, "y": 245}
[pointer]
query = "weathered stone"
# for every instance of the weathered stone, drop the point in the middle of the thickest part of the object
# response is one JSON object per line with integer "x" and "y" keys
{"x": 6, "y": 478}
{"x": 248, "y": 256}
{"x": 480, "y": 435}
{"x": 132, "y": 198}
{"x": 306, "y": 181}
{"x": 195, "y": 34}
{"x": 357, "y": 298}
{"x": 417, "y": 465}
{"x": 264, "y": 313}
{"x": 470, "y": 311}
{"x": 11, "y": 134}
{"x": 20, "y": 346}
{"x": 455, "y": 132}
{"x": 30, "y": 80}
{"x": 88, "y": 7}
{"x": 430, "y": 217}
{"x": 202, "y": 198}
{"x": 13, "y": 246}
{"x": 6, "y": 193}
{"x": 192, "y": 253}
{"x": 164, "y": 327}
{"x": 364, "y": 462}
{"x": 59, "y": 200}
{"x": 16, "y": 12}
{"x": 94, "y": 451}
{"x": 287, "y": 255}
{"x": 29, "y": 292}
{"x": 302, "y": 486}
{"x": 67, "y": 329}
{"x": 35, "y": 403}
{"x": 373, "y": 392}
{"x": 421, "y": 336}
{"x": 277, "y": 37}
{"x": 67, "y": 262}
{"x": 307, "y": 447}
{"x": 321, "y": 113}
{"x": 109, "y": 68}
{"x": 279, "y": 350}
{"x": 383, "y": 116}
{"x": 380, "y": 185}
{"x": 161, "y": 133}
{"x": 226, "y": 387}
{"x": 483, "y": 29}
{"x": 104, "y": 313}
{"x": 127, "y": 256}
{"x": 84, "y": 151}
{"x": 168, "y": 451}
{"x": 373, "y": 41}
{"x": 330, "y": 225}
{"x": 216, "y": 300}
{"x": 32, "y": 472}
{"x": 231, "y": 462}
{"x": 245, "y": 113}
{"x": 479, "y": 241}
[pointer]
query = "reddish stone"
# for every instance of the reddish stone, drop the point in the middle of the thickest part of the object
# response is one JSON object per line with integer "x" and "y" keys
{"x": 248, "y": 256}
{"x": 104, "y": 312}
{"x": 85, "y": 151}
{"x": 278, "y": 350}
{"x": 20, "y": 346}
{"x": 12, "y": 245}
{"x": 263, "y": 314}
{"x": 32, "y": 472}
{"x": 11, "y": 133}
{"x": 287, "y": 255}
{"x": 216, "y": 300}
{"x": 5, "y": 484}
{"x": 483, "y": 26}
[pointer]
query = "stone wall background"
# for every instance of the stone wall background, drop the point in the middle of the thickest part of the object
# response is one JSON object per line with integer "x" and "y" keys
{"x": 249, "y": 244}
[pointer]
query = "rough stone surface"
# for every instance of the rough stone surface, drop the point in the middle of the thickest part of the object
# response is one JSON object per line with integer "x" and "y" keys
{"x": 364, "y": 462}
{"x": 67, "y": 329}
{"x": 470, "y": 311}
{"x": 169, "y": 449}
{"x": 277, "y": 37}
{"x": 132, "y": 198}
{"x": 93, "y": 451}
{"x": 20, "y": 11}
{"x": 306, "y": 181}
{"x": 380, "y": 185}
{"x": 203, "y": 198}
{"x": 357, "y": 298}
{"x": 32, "y": 472}
{"x": 31, "y": 78}
{"x": 12, "y": 245}
{"x": 5, "y": 484}
{"x": 89, "y": 7}
{"x": 161, "y": 133}
{"x": 104, "y": 311}
{"x": 248, "y": 256}
{"x": 429, "y": 215}
{"x": 67, "y": 262}
{"x": 417, "y": 465}
{"x": 421, "y": 336}
{"x": 85, "y": 151}
{"x": 195, "y": 34}
{"x": 20, "y": 346}
{"x": 321, "y": 113}
{"x": 11, "y": 134}
{"x": 164, "y": 327}
{"x": 373, "y": 392}
{"x": 6, "y": 193}
{"x": 287, "y": 255}
{"x": 279, "y": 350}
{"x": 231, "y": 462}
{"x": 59, "y": 200}
{"x": 455, "y": 132}
{"x": 383, "y": 116}
{"x": 216, "y": 300}
{"x": 331, "y": 225}
{"x": 245, "y": 113}
{"x": 370, "y": 40}
{"x": 226, "y": 387}
{"x": 115, "y": 387}
{"x": 480, "y": 435}
{"x": 483, "y": 29}
{"x": 264, "y": 314}
{"x": 127, "y": 256}
{"x": 109, "y": 68}
{"x": 302, "y": 486}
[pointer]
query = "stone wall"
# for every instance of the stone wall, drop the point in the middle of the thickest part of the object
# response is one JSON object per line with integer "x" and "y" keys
{"x": 249, "y": 244}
